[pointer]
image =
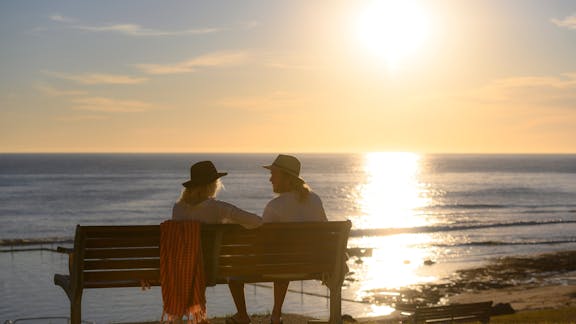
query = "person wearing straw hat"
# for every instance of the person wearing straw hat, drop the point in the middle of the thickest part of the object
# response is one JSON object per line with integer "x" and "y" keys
{"x": 295, "y": 202}
{"x": 198, "y": 200}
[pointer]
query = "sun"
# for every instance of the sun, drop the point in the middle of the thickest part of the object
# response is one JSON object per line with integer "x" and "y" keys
{"x": 392, "y": 30}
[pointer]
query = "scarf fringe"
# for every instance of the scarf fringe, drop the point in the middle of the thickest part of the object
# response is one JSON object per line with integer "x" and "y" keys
{"x": 193, "y": 315}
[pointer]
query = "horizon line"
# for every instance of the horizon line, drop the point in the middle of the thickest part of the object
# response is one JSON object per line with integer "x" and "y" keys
{"x": 284, "y": 152}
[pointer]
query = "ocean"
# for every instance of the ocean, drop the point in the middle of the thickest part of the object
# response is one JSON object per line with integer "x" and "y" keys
{"x": 421, "y": 216}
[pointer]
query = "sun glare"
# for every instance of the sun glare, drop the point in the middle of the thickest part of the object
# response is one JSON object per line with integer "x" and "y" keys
{"x": 390, "y": 198}
{"x": 392, "y": 192}
{"x": 393, "y": 29}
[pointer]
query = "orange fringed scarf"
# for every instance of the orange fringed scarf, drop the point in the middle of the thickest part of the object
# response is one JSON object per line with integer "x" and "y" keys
{"x": 182, "y": 271}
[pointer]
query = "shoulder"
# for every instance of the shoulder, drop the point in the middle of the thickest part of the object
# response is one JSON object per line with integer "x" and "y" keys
{"x": 314, "y": 197}
{"x": 282, "y": 199}
{"x": 179, "y": 210}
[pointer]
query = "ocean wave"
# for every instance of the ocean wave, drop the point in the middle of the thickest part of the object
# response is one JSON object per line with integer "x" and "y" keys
{"x": 447, "y": 228}
{"x": 35, "y": 241}
{"x": 501, "y": 243}
{"x": 529, "y": 208}
{"x": 469, "y": 206}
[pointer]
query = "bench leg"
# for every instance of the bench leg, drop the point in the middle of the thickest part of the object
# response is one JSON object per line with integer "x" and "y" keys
{"x": 76, "y": 310}
{"x": 335, "y": 305}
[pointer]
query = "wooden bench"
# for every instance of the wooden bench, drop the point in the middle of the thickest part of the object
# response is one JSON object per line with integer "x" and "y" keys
{"x": 455, "y": 313}
{"x": 125, "y": 256}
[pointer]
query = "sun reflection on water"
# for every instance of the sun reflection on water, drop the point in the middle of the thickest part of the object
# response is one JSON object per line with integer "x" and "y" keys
{"x": 391, "y": 193}
{"x": 390, "y": 197}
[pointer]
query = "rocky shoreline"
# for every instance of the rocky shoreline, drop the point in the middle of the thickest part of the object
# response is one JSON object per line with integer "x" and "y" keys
{"x": 503, "y": 273}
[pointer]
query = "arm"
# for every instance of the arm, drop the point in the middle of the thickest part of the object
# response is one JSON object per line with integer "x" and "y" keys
{"x": 234, "y": 215}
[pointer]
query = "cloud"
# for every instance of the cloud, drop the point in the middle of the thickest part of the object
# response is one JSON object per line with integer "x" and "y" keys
{"x": 99, "y": 78}
{"x": 568, "y": 22}
{"x": 253, "y": 24}
{"x": 137, "y": 30}
{"x": 133, "y": 29}
{"x": 63, "y": 19}
{"x": 109, "y": 105}
{"x": 81, "y": 118}
{"x": 221, "y": 59}
{"x": 285, "y": 66}
{"x": 54, "y": 92}
{"x": 275, "y": 101}
{"x": 293, "y": 61}
{"x": 531, "y": 91}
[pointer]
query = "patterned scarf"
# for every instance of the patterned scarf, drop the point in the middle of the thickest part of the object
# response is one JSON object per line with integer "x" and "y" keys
{"x": 182, "y": 271}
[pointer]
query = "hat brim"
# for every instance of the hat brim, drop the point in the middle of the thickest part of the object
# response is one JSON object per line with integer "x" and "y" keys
{"x": 270, "y": 167}
{"x": 196, "y": 182}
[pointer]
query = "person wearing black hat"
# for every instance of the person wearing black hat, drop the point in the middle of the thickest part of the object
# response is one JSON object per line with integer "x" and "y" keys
{"x": 198, "y": 200}
{"x": 295, "y": 203}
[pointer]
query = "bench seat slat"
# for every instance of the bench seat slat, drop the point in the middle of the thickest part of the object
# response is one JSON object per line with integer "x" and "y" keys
{"x": 272, "y": 269}
{"x": 248, "y": 249}
{"x": 108, "y": 242}
{"x": 119, "y": 284}
{"x": 277, "y": 236}
{"x": 274, "y": 258}
{"x": 152, "y": 263}
{"x": 95, "y": 276}
{"x": 122, "y": 253}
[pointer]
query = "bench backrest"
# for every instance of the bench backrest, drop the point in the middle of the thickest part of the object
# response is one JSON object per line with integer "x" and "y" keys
{"x": 453, "y": 313}
{"x": 127, "y": 256}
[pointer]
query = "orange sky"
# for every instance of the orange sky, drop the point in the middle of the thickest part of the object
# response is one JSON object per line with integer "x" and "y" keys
{"x": 295, "y": 76}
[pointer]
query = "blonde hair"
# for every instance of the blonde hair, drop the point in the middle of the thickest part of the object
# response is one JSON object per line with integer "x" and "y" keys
{"x": 197, "y": 194}
{"x": 298, "y": 186}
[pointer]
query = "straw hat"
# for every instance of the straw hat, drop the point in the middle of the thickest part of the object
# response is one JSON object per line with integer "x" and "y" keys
{"x": 202, "y": 173}
{"x": 286, "y": 163}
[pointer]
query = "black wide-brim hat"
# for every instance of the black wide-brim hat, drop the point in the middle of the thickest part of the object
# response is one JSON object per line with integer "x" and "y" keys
{"x": 202, "y": 173}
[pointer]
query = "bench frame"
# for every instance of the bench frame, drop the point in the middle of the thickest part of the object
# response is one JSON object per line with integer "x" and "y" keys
{"x": 454, "y": 313}
{"x": 128, "y": 256}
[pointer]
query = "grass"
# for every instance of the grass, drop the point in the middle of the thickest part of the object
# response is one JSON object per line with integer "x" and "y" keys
{"x": 565, "y": 315}
{"x": 557, "y": 316}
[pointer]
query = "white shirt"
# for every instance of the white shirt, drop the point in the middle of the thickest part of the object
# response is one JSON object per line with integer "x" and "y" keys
{"x": 287, "y": 208}
{"x": 212, "y": 211}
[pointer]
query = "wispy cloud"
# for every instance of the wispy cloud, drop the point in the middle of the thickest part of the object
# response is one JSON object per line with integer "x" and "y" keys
{"x": 287, "y": 66}
{"x": 279, "y": 100}
{"x": 81, "y": 118}
{"x": 137, "y": 30}
{"x": 293, "y": 61}
{"x": 55, "y": 92}
{"x": 62, "y": 19}
{"x": 253, "y": 24}
{"x": 109, "y": 105}
{"x": 221, "y": 59}
{"x": 132, "y": 29}
{"x": 80, "y": 100}
{"x": 532, "y": 91}
{"x": 99, "y": 78}
{"x": 568, "y": 22}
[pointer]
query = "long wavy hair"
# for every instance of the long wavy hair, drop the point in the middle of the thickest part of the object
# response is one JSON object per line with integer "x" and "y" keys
{"x": 298, "y": 186}
{"x": 197, "y": 194}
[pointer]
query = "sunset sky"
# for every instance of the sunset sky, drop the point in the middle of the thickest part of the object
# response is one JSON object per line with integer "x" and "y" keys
{"x": 437, "y": 76}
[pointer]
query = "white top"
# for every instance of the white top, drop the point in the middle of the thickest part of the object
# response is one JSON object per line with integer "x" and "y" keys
{"x": 212, "y": 211}
{"x": 287, "y": 208}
